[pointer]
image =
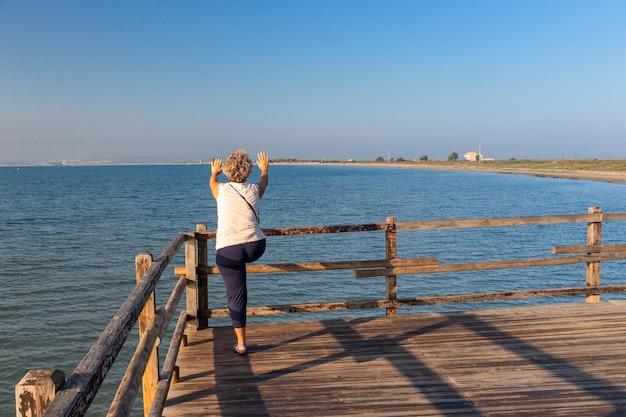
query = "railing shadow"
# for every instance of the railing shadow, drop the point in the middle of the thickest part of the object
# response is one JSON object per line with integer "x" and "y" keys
{"x": 239, "y": 389}
{"x": 595, "y": 386}
{"x": 244, "y": 398}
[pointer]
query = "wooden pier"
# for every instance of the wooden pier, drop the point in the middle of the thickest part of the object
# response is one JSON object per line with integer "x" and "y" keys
{"x": 558, "y": 360}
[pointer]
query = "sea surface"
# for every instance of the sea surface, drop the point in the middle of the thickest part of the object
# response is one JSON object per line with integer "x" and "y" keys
{"x": 69, "y": 236}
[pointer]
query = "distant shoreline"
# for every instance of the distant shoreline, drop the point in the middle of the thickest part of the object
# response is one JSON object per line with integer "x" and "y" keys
{"x": 605, "y": 170}
{"x": 613, "y": 170}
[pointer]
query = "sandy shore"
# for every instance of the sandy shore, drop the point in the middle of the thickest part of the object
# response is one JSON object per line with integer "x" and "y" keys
{"x": 605, "y": 176}
{"x": 577, "y": 174}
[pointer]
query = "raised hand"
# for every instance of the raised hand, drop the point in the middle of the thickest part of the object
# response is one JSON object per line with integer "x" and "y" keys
{"x": 216, "y": 166}
{"x": 263, "y": 161}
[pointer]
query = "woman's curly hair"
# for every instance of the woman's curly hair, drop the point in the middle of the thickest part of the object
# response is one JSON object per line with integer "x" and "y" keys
{"x": 237, "y": 166}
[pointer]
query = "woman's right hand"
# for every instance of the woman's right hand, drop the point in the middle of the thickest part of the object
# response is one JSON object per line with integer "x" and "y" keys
{"x": 216, "y": 166}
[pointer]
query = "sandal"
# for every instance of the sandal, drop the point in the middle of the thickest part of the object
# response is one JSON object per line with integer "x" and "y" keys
{"x": 240, "y": 349}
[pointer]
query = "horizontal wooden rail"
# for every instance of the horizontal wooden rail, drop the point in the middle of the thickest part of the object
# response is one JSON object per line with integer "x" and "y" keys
{"x": 483, "y": 266}
{"x": 317, "y": 230}
{"x": 311, "y": 230}
{"x": 509, "y": 295}
{"x": 420, "y": 301}
{"x": 440, "y": 224}
{"x": 303, "y": 308}
{"x": 317, "y": 266}
{"x": 607, "y": 217}
{"x": 404, "y": 266}
{"x": 560, "y": 250}
{"x": 498, "y": 222}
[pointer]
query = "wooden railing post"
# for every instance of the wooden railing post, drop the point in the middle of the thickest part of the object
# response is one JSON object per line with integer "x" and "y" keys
{"x": 191, "y": 264}
{"x": 202, "y": 278}
{"x": 594, "y": 237}
{"x": 150, "y": 379}
{"x": 197, "y": 289}
{"x": 391, "y": 253}
{"x": 36, "y": 390}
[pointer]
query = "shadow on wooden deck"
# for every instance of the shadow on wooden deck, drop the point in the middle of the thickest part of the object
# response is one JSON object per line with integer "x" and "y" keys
{"x": 529, "y": 361}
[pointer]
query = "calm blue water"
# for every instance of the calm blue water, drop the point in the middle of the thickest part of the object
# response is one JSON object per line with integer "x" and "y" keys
{"x": 69, "y": 236}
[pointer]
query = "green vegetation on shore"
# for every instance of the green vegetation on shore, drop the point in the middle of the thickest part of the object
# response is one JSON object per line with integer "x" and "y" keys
{"x": 600, "y": 165}
{"x": 608, "y": 170}
{"x": 611, "y": 165}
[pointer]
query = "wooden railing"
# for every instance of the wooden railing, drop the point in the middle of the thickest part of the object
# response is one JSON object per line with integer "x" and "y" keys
{"x": 48, "y": 393}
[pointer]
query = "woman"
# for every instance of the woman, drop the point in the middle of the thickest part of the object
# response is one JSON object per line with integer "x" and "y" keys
{"x": 239, "y": 238}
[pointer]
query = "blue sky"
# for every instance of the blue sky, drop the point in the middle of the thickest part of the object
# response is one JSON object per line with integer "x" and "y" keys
{"x": 340, "y": 79}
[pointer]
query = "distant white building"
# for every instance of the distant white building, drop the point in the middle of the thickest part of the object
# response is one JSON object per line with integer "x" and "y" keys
{"x": 473, "y": 156}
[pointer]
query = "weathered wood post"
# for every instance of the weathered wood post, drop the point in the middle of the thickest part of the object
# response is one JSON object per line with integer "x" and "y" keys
{"x": 202, "y": 278}
{"x": 36, "y": 390}
{"x": 150, "y": 379}
{"x": 594, "y": 237}
{"x": 191, "y": 292}
{"x": 391, "y": 253}
{"x": 195, "y": 264}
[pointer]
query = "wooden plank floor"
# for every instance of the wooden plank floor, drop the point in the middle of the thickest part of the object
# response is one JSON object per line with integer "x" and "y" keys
{"x": 560, "y": 360}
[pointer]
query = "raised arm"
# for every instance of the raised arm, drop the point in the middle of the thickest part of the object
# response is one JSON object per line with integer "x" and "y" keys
{"x": 263, "y": 162}
{"x": 216, "y": 169}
